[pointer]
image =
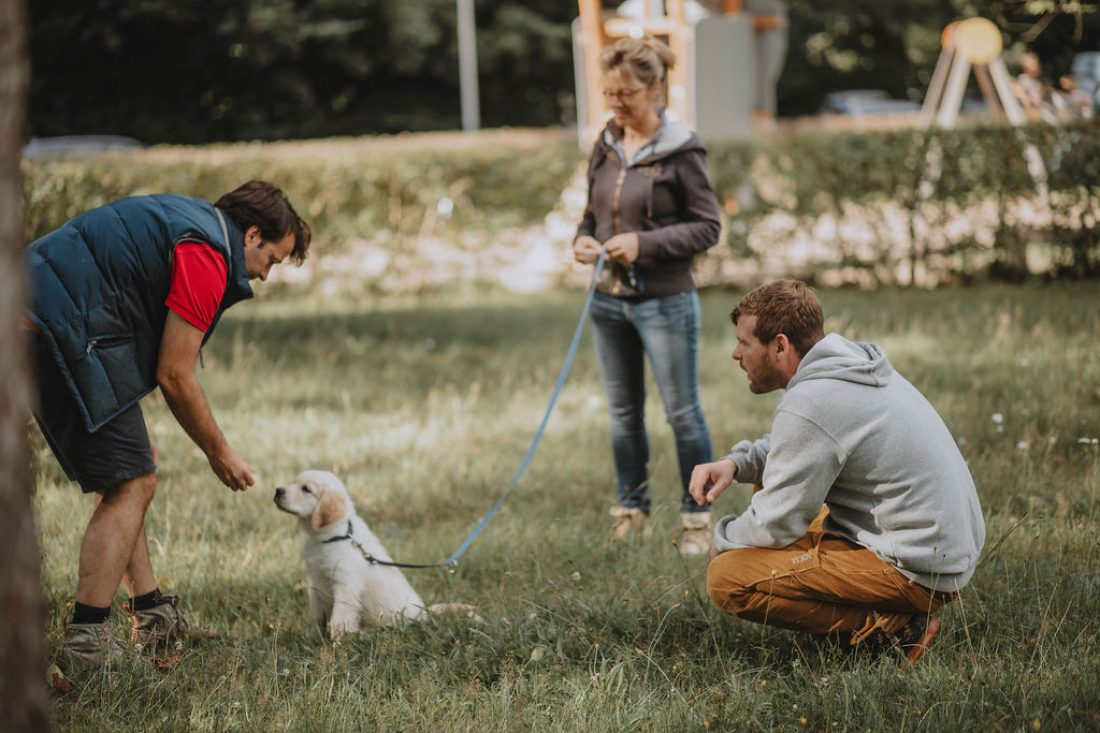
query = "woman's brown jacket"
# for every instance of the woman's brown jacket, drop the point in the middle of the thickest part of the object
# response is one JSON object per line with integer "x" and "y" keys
{"x": 665, "y": 196}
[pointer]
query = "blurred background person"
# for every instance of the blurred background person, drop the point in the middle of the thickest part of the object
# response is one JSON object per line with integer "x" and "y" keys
{"x": 1069, "y": 101}
{"x": 1032, "y": 89}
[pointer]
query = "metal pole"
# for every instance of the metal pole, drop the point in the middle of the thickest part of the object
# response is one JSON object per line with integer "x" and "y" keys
{"x": 467, "y": 66}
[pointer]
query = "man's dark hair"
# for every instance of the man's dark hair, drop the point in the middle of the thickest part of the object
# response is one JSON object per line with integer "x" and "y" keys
{"x": 265, "y": 205}
{"x": 788, "y": 307}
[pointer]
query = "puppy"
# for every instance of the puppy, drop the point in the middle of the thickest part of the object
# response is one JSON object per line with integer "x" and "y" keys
{"x": 346, "y": 589}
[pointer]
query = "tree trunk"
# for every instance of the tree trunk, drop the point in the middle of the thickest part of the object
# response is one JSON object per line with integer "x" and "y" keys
{"x": 23, "y": 699}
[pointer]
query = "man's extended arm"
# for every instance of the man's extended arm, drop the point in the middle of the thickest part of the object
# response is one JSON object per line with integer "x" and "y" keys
{"x": 179, "y": 348}
{"x": 802, "y": 463}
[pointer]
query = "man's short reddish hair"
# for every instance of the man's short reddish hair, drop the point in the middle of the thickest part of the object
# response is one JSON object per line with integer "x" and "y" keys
{"x": 788, "y": 307}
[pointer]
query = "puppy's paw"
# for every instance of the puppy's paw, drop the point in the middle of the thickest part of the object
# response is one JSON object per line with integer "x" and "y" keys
{"x": 338, "y": 629}
{"x": 468, "y": 610}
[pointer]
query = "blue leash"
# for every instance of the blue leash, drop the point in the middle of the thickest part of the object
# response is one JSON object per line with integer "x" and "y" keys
{"x": 452, "y": 561}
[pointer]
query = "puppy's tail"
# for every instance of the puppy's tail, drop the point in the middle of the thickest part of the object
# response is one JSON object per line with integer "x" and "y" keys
{"x": 464, "y": 608}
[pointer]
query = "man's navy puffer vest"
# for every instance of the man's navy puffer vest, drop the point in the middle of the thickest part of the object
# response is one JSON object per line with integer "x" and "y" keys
{"x": 98, "y": 287}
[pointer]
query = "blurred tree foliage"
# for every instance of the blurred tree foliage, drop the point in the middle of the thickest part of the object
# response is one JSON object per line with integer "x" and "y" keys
{"x": 188, "y": 71}
{"x": 194, "y": 71}
{"x": 841, "y": 44}
{"x": 894, "y": 44}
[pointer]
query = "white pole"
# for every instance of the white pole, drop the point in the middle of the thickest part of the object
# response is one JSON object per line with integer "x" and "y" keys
{"x": 934, "y": 95}
{"x": 1001, "y": 82}
{"x": 467, "y": 66}
{"x": 953, "y": 92}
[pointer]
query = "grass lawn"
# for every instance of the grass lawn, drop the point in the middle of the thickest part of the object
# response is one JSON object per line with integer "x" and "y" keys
{"x": 426, "y": 408}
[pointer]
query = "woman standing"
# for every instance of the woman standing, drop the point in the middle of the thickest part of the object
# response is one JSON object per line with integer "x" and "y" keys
{"x": 652, "y": 208}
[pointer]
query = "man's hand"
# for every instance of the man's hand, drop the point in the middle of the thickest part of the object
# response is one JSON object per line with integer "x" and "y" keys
{"x": 586, "y": 250}
{"x": 709, "y": 480}
{"x": 232, "y": 470}
{"x": 622, "y": 248}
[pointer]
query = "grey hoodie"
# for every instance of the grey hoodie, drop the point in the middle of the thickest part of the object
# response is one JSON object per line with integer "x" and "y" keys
{"x": 853, "y": 434}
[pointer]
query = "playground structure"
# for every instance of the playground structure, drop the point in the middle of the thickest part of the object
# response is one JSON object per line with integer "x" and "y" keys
{"x": 729, "y": 55}
{"x": 975, "y": 44}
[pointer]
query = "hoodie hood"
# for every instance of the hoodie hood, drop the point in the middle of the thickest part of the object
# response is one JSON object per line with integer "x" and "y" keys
{"x": 672, "y": 136}
{"x": 835, "y": 357}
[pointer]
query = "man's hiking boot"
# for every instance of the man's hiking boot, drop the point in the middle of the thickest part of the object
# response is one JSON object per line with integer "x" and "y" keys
{"x": 695, "y": 532}
{"x": 915, "y": 638}
{"x": 91, "y": 645}
{"x": 628, "y": 521}
{"x": 908, "y": 645}
{"x": 164, "y": 627}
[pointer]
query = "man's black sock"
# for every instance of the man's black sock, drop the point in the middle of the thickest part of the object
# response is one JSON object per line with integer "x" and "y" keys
{"x": 90, "y": 614}
{"x": 146, "y": 601}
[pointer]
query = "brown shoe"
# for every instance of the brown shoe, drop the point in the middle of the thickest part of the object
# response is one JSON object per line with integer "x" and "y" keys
{"x": 164, "y": 627}
{"x": 916, "y": 636}
{"x": 695, "y": 533}
{"x": 628, "y": 521}
{"x": 91, "y": 645}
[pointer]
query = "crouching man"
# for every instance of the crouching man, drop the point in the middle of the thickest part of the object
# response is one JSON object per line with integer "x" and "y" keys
{"x": 866, "y": 521}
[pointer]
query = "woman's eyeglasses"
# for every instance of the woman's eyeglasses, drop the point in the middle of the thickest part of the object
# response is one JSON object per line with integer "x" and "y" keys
{"x": 621, "y": 94}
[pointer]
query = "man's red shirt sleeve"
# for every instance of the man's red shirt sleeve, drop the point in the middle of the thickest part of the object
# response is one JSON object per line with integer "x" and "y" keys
{"x": 199, "y": 278}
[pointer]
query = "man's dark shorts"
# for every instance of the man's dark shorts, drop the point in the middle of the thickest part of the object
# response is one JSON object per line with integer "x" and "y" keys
{"x": 99, "y": 461}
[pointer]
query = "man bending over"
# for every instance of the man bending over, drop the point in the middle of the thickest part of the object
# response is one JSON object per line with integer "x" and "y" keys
{"x": 123, "y": 298}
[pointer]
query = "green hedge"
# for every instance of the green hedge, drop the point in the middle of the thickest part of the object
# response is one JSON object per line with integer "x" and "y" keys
{"x": 900, "y": 206}
{"x": 346, "y": 188}
{"x": 932, "y": 183}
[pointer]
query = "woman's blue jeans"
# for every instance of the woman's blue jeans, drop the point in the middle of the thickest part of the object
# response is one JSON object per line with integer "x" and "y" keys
{"x": 667, "y": 331}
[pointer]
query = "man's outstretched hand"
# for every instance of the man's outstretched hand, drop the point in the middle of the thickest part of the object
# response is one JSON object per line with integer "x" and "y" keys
{"x": 232, "y": 470}
{"x": 709, "y": 480}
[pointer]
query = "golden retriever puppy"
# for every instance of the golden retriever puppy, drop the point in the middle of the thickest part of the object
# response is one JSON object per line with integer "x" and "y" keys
{"x": 345, "y": 589}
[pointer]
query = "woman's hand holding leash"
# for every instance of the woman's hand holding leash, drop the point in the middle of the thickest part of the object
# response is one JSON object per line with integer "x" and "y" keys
{"x": 622, "y": 248}
{"x": 586, "y": 250}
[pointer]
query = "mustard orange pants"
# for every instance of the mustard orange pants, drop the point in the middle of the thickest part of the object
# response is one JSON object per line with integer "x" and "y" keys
{"x": 820, "y": 583}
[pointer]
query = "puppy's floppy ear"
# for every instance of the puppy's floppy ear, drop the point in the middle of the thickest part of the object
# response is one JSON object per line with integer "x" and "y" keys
{"x": 329, "y": 509}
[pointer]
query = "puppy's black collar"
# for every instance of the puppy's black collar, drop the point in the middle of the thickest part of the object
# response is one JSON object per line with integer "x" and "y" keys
{"x": 341, "y": 538}
{"x": 371, "y": 558}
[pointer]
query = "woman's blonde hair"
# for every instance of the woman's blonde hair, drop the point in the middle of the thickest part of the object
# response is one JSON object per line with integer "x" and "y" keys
{"x": 647, "y": 59}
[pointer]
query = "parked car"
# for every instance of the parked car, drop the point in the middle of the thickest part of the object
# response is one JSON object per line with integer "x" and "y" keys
{"x": 1086, "y": 73}
{"x": 70, "y": 145}
{"x": 866, "y": 102}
